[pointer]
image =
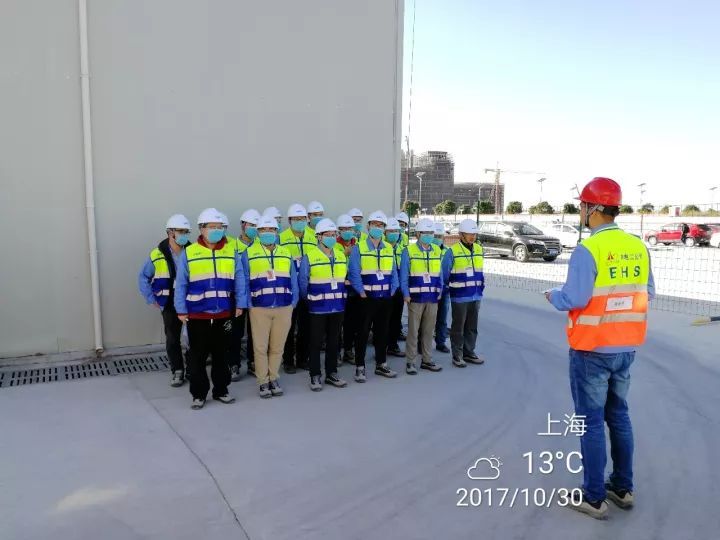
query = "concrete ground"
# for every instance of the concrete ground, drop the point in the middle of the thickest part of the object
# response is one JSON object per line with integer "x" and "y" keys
{"x": 126, "y": 458}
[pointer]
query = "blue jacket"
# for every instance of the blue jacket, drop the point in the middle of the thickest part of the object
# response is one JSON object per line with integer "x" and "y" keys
{"x": 355, "y": 277}
{"x": 578, "y": 288}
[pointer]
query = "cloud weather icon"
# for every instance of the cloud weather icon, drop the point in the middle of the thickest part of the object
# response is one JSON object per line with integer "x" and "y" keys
{"x": 485, "y": 469}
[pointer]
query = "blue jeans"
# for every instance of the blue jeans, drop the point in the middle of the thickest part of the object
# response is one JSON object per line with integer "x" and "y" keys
{"x": 599, "y": 383}
{"x": 441, "y": 329}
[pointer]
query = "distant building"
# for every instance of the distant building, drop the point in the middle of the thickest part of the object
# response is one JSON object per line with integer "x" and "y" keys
{"x": 438, "y": 182}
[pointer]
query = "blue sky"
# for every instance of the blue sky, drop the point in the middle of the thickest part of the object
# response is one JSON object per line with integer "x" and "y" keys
{"x": 574, "y": 89}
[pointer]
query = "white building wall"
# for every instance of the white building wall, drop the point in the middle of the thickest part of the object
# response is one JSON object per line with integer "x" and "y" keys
{"x": 194, "y": 104}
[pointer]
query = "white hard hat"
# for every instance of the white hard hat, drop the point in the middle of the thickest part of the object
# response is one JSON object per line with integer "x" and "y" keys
{"x": 439, "y": 229}
{"x": 225, "y": 220}
{"x": 250, "y": 216}
{"x": 344, "y": 221}
{"x": 211, "y": 215}
{"x": 273, "y": 212}
{"x": 468, "y": 226}
{"x": 392, "y": 224}
{"x": 355, "y": 212}
{"x": 425, "y": 225}
{"x": 267, "y": 222}
{"x": 402, "y": 216}
{"x": 378, "y": 215}
{"x": 325, "y": 225}
{"x": 297, "y": 210}
{"x": 178, "y": 221}
{"x": 315, "y": 207}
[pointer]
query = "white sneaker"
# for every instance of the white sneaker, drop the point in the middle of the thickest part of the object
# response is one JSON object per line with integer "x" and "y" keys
{"x": 315, "y": 384}
{"x": 597, "y": 510}
{"x": 360, "y": 374}
{"x": 227, "y": 399}
{"x": 178, "y": 379}
{"x": 197, "y": 404}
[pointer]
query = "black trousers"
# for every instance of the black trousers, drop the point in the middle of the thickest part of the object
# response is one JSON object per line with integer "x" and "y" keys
{"x": 173, "y": 328}
{"x": 209, "y": 336}
{"x": 351, "y": 321}
{"x": 296, "y": 344}
{"x": 395, "y": 325}
{"x": 375, "y": 314}
{"x": 325, "y": 327}
{"x": 238, "y": 333}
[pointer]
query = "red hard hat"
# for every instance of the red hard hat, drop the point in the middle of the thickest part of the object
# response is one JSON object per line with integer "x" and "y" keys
{"x": 604, "y": 191}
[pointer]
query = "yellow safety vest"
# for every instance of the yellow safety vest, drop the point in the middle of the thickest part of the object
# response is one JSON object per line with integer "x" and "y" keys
{"x": 376, "y": 267}
{"x": 211, "y": 278}
{"x": 270, "y": 283}
{"x": 326, "y": 281}
{"x": 160, "y": 283}
{"x": 467, "y": 281}
{"x": 424, "y": 279}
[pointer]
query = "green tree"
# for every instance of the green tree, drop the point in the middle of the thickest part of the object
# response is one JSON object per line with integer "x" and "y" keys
{"x": 439, "y": 209}
{"x": 514, "y": 207}
{"x": 542, "y": 208}
{"x": 411, "y": 208}
{"x": 570, "y": 208}
{"x": 485, "y": 207}
{"x": 647, "y": 208}
{"x": 665, "y": 209}
{"x": 626, "y": 209}
{"x": 465, "y": 209}
{"x": 451, "y": 207}
{"x": 691, "y": 209}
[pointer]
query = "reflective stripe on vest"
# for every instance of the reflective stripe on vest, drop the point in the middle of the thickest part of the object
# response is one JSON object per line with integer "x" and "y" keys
{"x": 270, "y": 284}
{"x": 211, "y": 278}
{"x": 616, "y": 315}
{"x": 376, "y": 266}
{"x": 297, "y": 247}
{"x": 466, "y": 274}
{"x": 326, "y": 281}
{"x": 160, "y": 283}
{"x": 424, "y": 280}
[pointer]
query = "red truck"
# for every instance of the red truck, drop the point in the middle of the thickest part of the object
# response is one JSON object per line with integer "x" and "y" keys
{"x": 690, "y": 234}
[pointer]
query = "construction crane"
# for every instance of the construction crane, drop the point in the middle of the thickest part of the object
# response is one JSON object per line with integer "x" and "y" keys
{"x": 496, "y": 188}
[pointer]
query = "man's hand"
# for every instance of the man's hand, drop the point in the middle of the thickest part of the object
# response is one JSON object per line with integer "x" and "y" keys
{"x": 183, "y": 318}
{"x": 157, "y": 305}
{"x": 363, "y": 295}
{"x": 548, "y": 295}
{"x": 407, "y": 299}
{"x": 238, "y": 312}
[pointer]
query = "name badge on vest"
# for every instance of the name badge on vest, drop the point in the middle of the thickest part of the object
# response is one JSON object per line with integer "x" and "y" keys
{"x": 469, "y": 271}
{"x": 271, "y": 275}
{"x": 379, "y": 275}
{"x": 333, "y": 284}
{"x": 426, "y": 277}
{"x": 619, "y": 304}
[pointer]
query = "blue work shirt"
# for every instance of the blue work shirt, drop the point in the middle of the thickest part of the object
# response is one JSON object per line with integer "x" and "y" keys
{"x": 293, "y": 282}
{"x": 146, "y": 275}
{"x": 405, "y": 272}
{"x": 181, "y": 284}
{"x": 354, "y": 272}
{"x": 578, "y": 288}
{"x": 447, "y": 264}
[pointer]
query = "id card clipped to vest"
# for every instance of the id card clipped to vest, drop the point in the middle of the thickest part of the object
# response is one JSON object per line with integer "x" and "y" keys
{"x": 271, "y": 275}
{"x": 333, "y": 284}
{"x": 470, "y": 271}
{"x": 426, "y": 278}
{"x": 379, "y": 275}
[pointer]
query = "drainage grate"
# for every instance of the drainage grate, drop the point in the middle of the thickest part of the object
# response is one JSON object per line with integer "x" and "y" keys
{"x": 105, "y": 368}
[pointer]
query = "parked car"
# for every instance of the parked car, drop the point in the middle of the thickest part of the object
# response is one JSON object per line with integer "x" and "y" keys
{"x": 690, "y": 234}
{"x": 519, "y": 239}
{"x": 567, "y": 234}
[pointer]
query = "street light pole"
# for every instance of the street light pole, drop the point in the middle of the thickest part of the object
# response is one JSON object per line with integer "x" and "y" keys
{"x": 712, "y": 197}
{"x": 540, "y": 181}
{"x": 642, "y": 211}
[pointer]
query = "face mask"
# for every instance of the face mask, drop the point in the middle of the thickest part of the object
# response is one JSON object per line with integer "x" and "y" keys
{"x": 314, "y": 221}
{"x": 437, "y": 241}
{"x": 182, "y": 239}
{"x": 376, "y": 232}
{"x": 392, "y": 237}
{"x": 358, "y": 227}
{"x": 251, "y": 232}
{"x": 298, "y": 226}
{"x": 215, "y": 235}
{"x": 426, "y": 238}
{"x": 329, "y": 241}
{"x": 267, "y": 238}
{"x": 347, "y": 235}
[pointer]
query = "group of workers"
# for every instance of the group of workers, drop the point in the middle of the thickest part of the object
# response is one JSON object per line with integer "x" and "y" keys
{"x": 323, "y": 284}
{"x": 315, "y": 286}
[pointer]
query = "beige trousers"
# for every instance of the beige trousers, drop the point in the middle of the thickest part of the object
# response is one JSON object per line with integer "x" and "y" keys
{"x": 421, "y": 319}
{"x": 270, "y": 327}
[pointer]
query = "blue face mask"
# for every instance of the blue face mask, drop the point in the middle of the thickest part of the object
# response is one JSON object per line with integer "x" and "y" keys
{"x": 251, "y": 232}
{"x": 376, "y": 232}
{"x": 267, "y": 238}
{"x": 392, "y": 237}
{"x": 314, "y": 221}
{"x": 299, "y": 226}
{"x": 437, "y": 241}
{"x": 358, "y": 227}
{"x": 426, "y": 238}
{"x": 215, "y": 235}
{"x": 329, "y": 241}
{"x": 182, "y": 239}
{"x": 347, "y": 235}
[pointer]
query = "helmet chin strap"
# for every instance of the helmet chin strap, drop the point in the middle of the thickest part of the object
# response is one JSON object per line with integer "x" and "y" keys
{"x": 589, "y": 210}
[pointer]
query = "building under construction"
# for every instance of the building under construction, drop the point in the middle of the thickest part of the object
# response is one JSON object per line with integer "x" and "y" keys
{"x": 437, "y": 170}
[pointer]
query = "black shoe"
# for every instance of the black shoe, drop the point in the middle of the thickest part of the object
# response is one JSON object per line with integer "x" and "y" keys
{"x": 334, "y": 380}
{"x": 235, "y": 374}
{"x": 384, "y": 371}
{"x": 395, "y": 351}
{"x": 275, "y": 389}
{"x": 402, "y": 337}
{"x": 430, "y": 366}
{"x": 473, "y": 359}
{"x": 442, "y": 348}
{"x": 264, "y": 391}
{"x": 304, "y": 367}
{"x": 621, "y": 497}
{"x": 349, "y": 356}
{"x": 290, "y": 369}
